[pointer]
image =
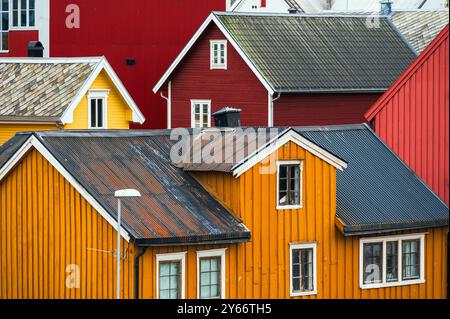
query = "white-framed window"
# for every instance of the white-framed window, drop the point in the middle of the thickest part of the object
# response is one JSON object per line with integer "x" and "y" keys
{"x": 211, "y": 274}
{"x": 303, "y": 269}
{"x": 170, "y": 275}
{"x": 4, "y": 25}
{"x": 392, "y": 261}
{"x": 98, "y": 109}
{"x": 200, "y": 113}
{"x": 218, "y": 54}
{"x": 289, "y": 184}
{"x": 23, "y": 13}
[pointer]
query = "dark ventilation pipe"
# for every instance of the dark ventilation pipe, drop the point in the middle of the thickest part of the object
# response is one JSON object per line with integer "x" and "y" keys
{"x": 386, "y": 7}
{"x": 227, "y": 117}
{"x": 293, "y": 10}
{"x": 136, "y": 272}
{"x": 35, "y": 49}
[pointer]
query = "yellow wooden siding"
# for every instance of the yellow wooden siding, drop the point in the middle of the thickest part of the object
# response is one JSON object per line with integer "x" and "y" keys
{"x": 46, "y": 225}
{"x": 263, "y": 265}
{"x": 119, "y": 113}
{"x": 9, "y": 130}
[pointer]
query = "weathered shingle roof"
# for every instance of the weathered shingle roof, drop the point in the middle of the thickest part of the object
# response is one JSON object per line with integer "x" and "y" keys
{"x": 420, "y": 27}
{"x": 41, "y": 88}
{"x": 309, "y": 53}
{"x": 174, "y": 207}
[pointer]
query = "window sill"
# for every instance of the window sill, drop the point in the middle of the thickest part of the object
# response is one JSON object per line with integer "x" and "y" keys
{"x": 23, "y": 29}
{"x": 306, "y": 293}
{"x": 1, "y": 51}
{"x": 289, "y": 207}
{"x": 393, "y": 284}
{"x": 218, "y": 67}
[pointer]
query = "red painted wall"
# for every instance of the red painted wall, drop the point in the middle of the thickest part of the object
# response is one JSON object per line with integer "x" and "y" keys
{"x": 151, "y": 31}
{"x": 322, "y": 109}
{"x": 18, "y": 43}
{"x": 413, "y": 116}
{"x": 237, "y": 86}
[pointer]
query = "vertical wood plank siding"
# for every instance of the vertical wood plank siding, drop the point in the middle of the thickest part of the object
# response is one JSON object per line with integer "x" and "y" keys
{"x": 264, "y": 265}
{"x": 413, "y": 119}
{"x": 45, "y": 226}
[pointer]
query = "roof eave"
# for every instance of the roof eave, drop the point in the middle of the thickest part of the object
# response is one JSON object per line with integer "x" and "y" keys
{"x": 376, "y": 229}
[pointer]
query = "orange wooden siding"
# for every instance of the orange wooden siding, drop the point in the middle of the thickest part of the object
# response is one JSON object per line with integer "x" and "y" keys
{"x": 46, "y": 225}
{"x": 264, "y": 262}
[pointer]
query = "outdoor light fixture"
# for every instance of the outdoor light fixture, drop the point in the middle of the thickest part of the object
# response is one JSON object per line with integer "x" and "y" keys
{"x": 121, "y": 194}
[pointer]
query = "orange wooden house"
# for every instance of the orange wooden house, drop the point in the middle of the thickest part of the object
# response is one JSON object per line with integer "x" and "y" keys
{"x": 318, "y": 212}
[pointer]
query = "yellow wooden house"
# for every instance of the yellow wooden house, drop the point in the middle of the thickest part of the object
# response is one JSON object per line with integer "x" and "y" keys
{"x": 62, "y": 93}
{"x": 317, "y": 212}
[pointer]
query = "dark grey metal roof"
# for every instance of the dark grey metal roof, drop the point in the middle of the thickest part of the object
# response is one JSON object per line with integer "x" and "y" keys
{"x": 321, "y": 53}
{"x": 174, "y": 207}
{"x": 377, "y": 192}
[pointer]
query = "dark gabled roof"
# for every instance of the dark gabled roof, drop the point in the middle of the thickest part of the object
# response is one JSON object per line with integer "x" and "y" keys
{"x": 377, "y": 192}
{"x": 174, "y": 207}
{"x": 420, "y": 27}
{"x": 320, "y": 53}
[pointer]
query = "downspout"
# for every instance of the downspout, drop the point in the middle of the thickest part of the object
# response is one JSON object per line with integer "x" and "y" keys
{"x": 168, "y": 98}
{"x": 136, "y": 272}
{"x": 271, "y": 100}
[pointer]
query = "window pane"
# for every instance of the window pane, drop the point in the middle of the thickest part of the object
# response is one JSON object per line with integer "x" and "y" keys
{"x": 411, "y": 259}
{"x": 391, "y": 261}
{"x": 99, "y": 113}
{"x": 5, "y": 5}
{"x": 31, "y": 4}
{"x": 15, "y": 4}
{"x": 373, "y": 263}
{"x": 4, "y": 41}
{"x": 93, "y": 113}
{"x": 210, "y": 277}
{"x": 4, "y": 26}
{"x": 31, "y": 18}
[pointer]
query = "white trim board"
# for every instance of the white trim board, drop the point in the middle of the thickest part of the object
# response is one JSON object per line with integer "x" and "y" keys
{"x": 290, "y": 135}
{"x": 211, "y": 18}
{"x": 34, "y": 142}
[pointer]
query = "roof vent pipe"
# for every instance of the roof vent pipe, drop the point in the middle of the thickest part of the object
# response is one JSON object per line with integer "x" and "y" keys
{"x": 35, "y": 49}
{"x": 386, "y": 7}
{"x": 293, "y": 10}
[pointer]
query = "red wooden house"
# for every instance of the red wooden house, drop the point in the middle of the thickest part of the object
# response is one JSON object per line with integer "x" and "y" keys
{"x": 412, "y": 116}
{"x": 283, "y": 69}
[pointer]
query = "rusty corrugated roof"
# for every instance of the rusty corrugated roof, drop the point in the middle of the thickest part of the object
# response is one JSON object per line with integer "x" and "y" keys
{"x": 174, "y": 207}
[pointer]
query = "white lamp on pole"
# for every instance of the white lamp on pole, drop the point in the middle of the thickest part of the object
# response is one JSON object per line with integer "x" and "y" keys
{"x": 121, "y": 194}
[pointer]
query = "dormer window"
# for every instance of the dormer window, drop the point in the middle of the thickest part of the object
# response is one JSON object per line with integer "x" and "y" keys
{"x": 98, "y": 106}
{"x": 219, "y": 54}
{"x": 23, "y": 13}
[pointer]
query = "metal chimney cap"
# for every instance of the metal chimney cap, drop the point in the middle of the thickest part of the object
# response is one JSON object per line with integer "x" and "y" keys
{"x": 227, "y": 109}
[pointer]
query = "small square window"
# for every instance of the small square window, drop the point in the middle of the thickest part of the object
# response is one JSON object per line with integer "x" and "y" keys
{"x": 289, "y": 185}
{"x": 23, "y": 13}
{"x": 219, "y": 54}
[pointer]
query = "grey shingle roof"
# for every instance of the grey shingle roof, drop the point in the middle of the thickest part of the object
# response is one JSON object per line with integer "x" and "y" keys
{"x": 420, "y": 27}
{"x": 42, "y": 89}
{"x": 308, "y": 53}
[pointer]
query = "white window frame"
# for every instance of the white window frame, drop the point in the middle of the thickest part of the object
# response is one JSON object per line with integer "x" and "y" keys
{"x": 400, "y": 281}
{"x": 201, "y": 102}
{"x": 2, "y": 50}
{"x": 213, "y": 253}
{"x": 288, "y": 162}
{"x": 181, "y": 256}
{"x": 218, "y": 66}
{"x": 97, "y": 95}
{"x": 19, "y": 9}
{"x": 296, "y": 246}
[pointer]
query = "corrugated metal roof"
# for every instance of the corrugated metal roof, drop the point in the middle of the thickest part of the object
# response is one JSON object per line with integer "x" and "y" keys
{"x": 320, "y": 53}
{"x": 43, "y": 88}
{"x": 377, "y": 192}
{"x": 174, "y": 207}
{"x": 420, "y": 27}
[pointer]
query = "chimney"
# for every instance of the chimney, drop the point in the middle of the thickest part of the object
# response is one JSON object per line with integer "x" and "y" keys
{"x": 293, "y": 10}
{"x": 386, "y": 7}
{"x": 227, "y": 117}
{"x": 35, "y": 49}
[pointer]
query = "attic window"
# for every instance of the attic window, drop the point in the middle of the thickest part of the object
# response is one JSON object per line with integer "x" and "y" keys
{"x": 98, "y": 109}
{"x": 289, "y": 184}
{"x": 23, "y": 13}
{"x": 219, "y": 54}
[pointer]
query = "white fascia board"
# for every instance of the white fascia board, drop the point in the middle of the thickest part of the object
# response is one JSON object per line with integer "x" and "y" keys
{"x": 103, "y": 64}
{"x": 51, "y": 60}
{"x": 287, "y": 136}
{"x": 191, "y": 42}
{"x": 34, "y": 142}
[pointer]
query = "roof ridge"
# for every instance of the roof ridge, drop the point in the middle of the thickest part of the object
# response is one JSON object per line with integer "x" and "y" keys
{"x": 302, "y": 15}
